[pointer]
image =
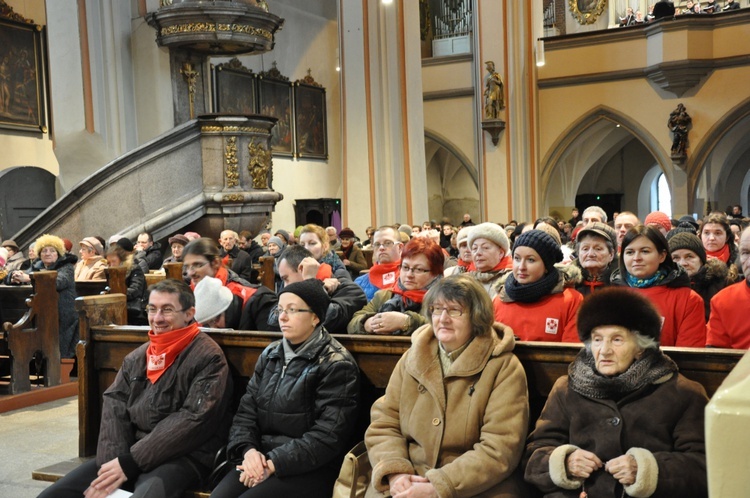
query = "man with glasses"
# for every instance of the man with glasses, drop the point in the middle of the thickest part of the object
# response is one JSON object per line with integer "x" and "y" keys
{"x": 386, "y": 255}
{"x": 297, "y": 264}
{"x": 166, "y": 414}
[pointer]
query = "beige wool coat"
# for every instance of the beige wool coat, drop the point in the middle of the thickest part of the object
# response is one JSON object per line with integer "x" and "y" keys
{"x": 465, "y": 432}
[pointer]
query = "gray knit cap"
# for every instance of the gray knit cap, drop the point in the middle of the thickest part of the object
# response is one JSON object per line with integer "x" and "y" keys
{"x": 689, "y": 241}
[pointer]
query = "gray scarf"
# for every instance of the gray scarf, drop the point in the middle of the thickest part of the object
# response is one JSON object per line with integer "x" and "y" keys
{"x": 653, "y": 367}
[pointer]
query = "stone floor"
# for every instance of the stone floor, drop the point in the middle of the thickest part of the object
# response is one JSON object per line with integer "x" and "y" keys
{"x": 32, "y": 438}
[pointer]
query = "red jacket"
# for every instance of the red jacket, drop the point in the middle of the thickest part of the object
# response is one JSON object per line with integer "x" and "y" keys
{"x": 552, "y": 318}
{"x": 683, "y": 316}
{"x": 728, "y": 326}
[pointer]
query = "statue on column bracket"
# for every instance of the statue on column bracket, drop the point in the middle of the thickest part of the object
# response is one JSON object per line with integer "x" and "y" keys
{"x": 494, "y": 99}
{"x": 679, "y": 124}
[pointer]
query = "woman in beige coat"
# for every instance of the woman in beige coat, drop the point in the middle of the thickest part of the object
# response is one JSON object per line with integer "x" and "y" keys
{"x": 462, "y": 365}
{"x": 92, "y": 264}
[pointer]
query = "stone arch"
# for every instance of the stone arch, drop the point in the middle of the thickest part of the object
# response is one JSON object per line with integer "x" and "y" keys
{"x": 452, "y": 180}
{"x": 597, "y": 134}
{"x": 727, "y": 143}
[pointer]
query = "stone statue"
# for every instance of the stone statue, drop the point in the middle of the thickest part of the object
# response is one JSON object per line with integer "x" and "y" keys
{"x": 494, "y": 99}
{"x": 679, "y": 124}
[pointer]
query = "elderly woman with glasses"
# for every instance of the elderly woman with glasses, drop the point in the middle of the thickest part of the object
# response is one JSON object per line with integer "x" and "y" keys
{"x": 295, "y": 421}
{"x": 396, "y": 310}
{"x": 454, "y": 416}
{"x": 201, "y": 259}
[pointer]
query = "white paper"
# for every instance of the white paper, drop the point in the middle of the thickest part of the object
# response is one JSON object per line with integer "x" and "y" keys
{"x": 120, "y": 493}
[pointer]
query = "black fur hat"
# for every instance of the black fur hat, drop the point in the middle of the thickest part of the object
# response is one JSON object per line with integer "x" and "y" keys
{"x": 618, "y": 306}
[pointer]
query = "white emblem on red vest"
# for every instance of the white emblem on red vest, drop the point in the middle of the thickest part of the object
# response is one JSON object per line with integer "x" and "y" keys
{"x": 550, "y": 327}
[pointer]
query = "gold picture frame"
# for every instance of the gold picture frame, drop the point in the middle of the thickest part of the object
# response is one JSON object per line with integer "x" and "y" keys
{"x": 587, "y": 11}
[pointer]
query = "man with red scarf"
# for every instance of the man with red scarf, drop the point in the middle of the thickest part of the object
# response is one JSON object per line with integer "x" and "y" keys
{"x": 165, "y": 415}
{"x": 386, "y": 247}
{"x": 297, "y": 264}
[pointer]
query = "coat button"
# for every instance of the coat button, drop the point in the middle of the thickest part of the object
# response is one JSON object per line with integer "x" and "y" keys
{"x": 435, "y": 421}
{"x": 421, "y": 389}
{"x": 615, "y": 421}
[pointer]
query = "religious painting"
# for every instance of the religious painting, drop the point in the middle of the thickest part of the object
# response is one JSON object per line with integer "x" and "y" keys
{"x": 587, "y": 11}
{"x": 310, "y": 120}
{"x": 235, "y": 89}
{"x": 22, "y": 77}
{"x": 275, "y": 98}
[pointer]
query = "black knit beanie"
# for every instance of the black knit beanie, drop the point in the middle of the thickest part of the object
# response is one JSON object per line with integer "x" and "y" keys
{"x": 542, "y": 243}
{"x": 687, "y": 240}
{"x": 620, "y": 306}
{"x": 126, "y": 244}
{"x": 311, "y": 291}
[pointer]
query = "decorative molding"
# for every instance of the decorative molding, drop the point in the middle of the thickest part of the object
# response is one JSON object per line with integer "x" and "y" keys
{"x": 308, "y": 80}
{"x": 448, "y": 94}
{"x": 273, "y": 74}
{"x": 259, "y": 164}
{"x": 232, "y": 129}
{"x": 190, "y": 75}
{"x": 230, "y": 157}
{"x": 234, "y": 64}
{"x": 207, "y": 27}
{"x": 7, "y": 12}
{"x": 589, "y": 15}
{"x": 233, "y": 198}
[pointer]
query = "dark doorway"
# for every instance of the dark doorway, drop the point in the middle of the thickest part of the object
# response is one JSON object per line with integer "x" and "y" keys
{"x": 323, "y": 212}
{"x": 610, "y": 203}
{"x": 25, "y": 192}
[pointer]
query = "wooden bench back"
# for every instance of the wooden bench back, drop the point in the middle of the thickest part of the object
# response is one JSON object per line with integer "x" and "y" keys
{"x": 103, "y": 348}
{"x": 36, "y": 330}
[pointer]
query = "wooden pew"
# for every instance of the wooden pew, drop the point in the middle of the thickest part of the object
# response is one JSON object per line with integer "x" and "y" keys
{"x": 103, "y": 347}
{"x": 266, "y": 274}
{"x": 173, "y": 270}
{"x": 36, "y": 330}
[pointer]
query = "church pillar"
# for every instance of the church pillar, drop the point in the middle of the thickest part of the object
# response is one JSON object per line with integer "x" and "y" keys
{"x": 382, "y": 115}
{"x": 680, "y": 191}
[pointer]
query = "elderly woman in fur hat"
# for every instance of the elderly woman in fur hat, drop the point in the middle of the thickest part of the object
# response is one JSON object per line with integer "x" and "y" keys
{"x": 52, "y": 256}
{"x": 707, "y": 276}
{"x": 535, "y": 301}
{"x": 623, "y": 422}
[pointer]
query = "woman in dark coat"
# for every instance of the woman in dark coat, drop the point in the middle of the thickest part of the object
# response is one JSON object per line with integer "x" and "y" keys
{"x": 52, "y": 256}
{"x": 295, "y": 421}
{"x": 623, "y": 422}
{"x": 707, "y": 276}
{"x": 121, "y": 254}
{"x": 596, "y": 248}
{"x": 353, "y": 259}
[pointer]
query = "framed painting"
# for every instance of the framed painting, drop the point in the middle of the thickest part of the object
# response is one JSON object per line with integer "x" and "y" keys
{"x": 275, "y": 99}
{"x": 310, "y": 120}
{"x": 235, "y": 89}
{"x": 23, "y": 91}
{"x": 587, "y": 11}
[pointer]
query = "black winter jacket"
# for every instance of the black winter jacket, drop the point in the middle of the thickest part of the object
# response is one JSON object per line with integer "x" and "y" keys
{"x": 301, "y": 414}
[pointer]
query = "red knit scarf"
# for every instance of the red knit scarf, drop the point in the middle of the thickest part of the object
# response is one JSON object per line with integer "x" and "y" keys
{"x": 164, "y": 348}
{"x": 416, "y": 295}
{"x": 722, "y": 254}
{"x": 384, "y": 275}
{"x": 325, "y": 271}
{"x": 464, "y": 264}
{"x": 505, "y": 264}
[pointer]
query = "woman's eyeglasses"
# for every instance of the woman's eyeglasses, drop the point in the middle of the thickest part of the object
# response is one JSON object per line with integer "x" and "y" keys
{"x": 415, "y": 271}
{"x": 452, "y": 312}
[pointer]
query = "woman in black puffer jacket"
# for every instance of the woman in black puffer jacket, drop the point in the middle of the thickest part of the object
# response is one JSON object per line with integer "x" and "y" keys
{"x": 295, "y": 422}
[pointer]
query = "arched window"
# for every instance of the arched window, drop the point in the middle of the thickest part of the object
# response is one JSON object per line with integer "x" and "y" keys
{"x": 663, "y": 195}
